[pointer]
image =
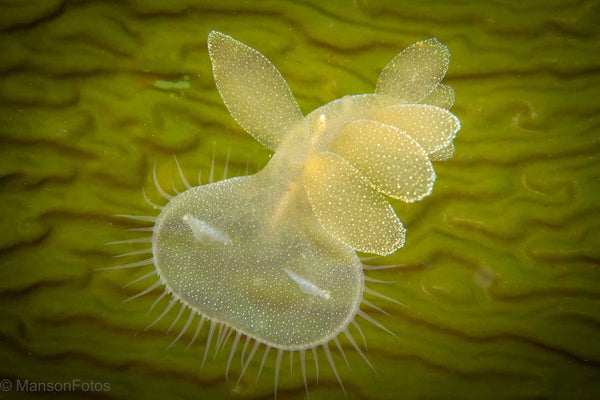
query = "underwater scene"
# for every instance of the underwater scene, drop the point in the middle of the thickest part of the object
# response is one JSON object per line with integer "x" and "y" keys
{"x": 294, "y": 199}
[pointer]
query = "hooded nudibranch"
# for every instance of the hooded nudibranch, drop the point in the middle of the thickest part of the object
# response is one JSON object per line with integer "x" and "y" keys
{"x": 270, "y": 257}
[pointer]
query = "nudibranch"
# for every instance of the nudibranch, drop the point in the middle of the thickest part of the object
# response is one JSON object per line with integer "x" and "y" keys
{"x": 271, "y": 258}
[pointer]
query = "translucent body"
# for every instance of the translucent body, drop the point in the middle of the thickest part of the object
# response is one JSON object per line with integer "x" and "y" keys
{"x": 273, "y": 254}
{"x": 244, "y": 283}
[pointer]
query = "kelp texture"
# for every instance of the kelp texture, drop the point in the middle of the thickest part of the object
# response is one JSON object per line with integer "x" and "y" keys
{"x": 500, "y": 280}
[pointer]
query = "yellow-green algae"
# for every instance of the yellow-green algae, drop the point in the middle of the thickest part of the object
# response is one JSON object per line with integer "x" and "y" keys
{"x": 502, "y": 280}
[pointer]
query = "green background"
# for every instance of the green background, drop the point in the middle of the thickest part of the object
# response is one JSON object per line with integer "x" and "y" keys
{"x": 501, "y": 280}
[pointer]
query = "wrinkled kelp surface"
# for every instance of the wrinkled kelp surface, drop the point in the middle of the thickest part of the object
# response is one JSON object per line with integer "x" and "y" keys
{"x": 501, "y": 283}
